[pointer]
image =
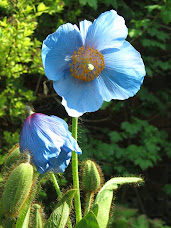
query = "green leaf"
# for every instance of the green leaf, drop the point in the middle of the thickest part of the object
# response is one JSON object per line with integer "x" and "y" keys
{"x": 120, "y": 223}
{"x": 167, "y": 189}
{"x": 142, "y": 221}
{"x": 153, "y": 7}
{"x": 88, "y": 221}
{"x": 41, "y": 7}
{"x": 60, "y": 215}
{"x": 165, "y": 14}
{"x": 121, "y": 211}
{"x": 105, "y": 196}
{"x": 1, "y": 213}
{"x": 115, "y": 136}
{"x": 153, "y": 43}
{"x": 23, "y": 217}
{"x": 91, "y": 3}
{"x": 111, "y": 2}
{"x": 26, "y": 220}
{"x": 10, "y": 223}
{"x": 115, "y": 182}
{"x": 105, "y": 105}
{"x": 103, "y": 200}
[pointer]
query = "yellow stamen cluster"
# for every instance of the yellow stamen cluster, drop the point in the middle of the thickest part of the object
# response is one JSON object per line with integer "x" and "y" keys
{"x": 87, "y": 64}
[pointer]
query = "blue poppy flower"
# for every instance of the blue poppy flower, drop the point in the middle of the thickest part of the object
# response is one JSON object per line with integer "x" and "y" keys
{"x": 48, "y": 141}
{"x": 92, "y": 64}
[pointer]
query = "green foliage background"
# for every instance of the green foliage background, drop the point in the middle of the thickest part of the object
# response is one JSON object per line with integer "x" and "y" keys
{"x": 124, "y": 137}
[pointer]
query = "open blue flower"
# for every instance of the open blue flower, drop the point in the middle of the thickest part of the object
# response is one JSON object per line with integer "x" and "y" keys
{"x": 48, "y": 141}
{"x": 92, "y": 64}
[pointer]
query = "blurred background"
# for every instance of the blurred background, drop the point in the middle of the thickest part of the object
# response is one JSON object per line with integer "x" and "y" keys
{"x": 123, "y": 137}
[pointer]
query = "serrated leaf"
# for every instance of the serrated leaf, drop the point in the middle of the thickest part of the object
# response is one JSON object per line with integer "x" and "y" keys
{"x": 88, "y": 221}
{"x": 60, "y": 215}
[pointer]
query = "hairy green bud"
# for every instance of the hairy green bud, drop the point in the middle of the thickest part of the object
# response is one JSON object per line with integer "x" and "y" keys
{"x": 12, "y": 157}
{"x": 37, "y": 221}
{"x": 91, "y": 176}
{"x": 17, "y": 189}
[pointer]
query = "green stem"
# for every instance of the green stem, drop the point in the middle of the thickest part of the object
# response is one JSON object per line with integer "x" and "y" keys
{"x": 55, "y": 183}
{"x": 89, "y": 198}
{"x": 58, "y": 191}
{"x": 75, "y": 173}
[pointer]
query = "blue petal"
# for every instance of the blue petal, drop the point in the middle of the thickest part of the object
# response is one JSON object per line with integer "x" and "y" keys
{"x": 37, "y": 138}
{"x": 71, "y": 145}
{"x": 60, "y": 163}
{"x": 58, "y": 49}
{"x": 84, "y": 25}
{"x": 70, "y": 142}
{"x": 78, "y": 96}
{"x": 61, "y": 120}
{"x": 107, "y": 31}
{"x": 123, "y": 74}
{"x": 45, "y": 137}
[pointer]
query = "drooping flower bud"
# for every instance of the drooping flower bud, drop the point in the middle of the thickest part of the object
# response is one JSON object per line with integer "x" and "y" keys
{"x": 91, "y": 176}
{"x": 12, "y": 157}
{"x": 48, "y": 141}
{"x": 17, "y": 189}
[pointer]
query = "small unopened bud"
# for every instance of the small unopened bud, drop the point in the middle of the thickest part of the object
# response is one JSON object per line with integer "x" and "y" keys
{"x": 29, "y": 110}
{"x": 17, "y": 189}
{"x": 91, "y": 176}
{"x": 12, "y": 157}
{"x": 37, "y": 221}
{"x": 90, "y": 66}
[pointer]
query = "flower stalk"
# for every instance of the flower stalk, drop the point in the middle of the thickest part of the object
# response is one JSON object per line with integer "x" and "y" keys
{"x": 55, "y": 183}
{"x": 59, "y": 193}
{"x": 75, "y": 173}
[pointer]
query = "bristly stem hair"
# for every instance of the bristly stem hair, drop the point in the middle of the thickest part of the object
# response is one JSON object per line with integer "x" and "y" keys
{"x": 75, "y": 172}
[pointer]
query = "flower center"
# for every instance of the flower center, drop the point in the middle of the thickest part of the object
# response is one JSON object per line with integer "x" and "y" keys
{"x": 87, "y": 64}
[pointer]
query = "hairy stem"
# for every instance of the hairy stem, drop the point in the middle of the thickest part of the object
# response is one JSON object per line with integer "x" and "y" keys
{"x": 55, "y": 183}
{"x": 58, "y": 191}
{"x": 75, "y": 173}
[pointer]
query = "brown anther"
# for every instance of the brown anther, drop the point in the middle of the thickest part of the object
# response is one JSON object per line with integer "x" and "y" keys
{"x": 81, "y": 59}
